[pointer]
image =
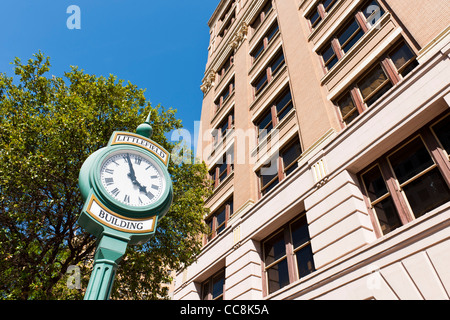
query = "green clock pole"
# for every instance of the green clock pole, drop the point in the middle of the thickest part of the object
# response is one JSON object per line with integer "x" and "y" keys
{"x": 110, "y": 251}
{"x": 117, "y": 224}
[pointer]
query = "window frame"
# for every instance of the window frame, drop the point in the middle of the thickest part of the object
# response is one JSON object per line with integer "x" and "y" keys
{"x": 281, "y": 169}
{"x": 289, "y": 253}
{"x": 209, "y": 283}
{"x": 392, "y": 74}
{"x": 338, "y": 47}
{"x": 393, "y": 185}
{"x": 321, "y": 11}
{"x": 271, "y": 109}
{"x": 228, "y": 207}
{"x": 267, "y": 73}
{"x": 217, "y": 176}
{"x": 224, "y": 95}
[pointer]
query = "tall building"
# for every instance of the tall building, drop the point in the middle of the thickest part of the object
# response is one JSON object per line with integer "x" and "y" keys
{"x": 326, "y": 128}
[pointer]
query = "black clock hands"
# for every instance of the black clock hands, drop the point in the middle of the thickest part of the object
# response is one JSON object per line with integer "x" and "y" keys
{"x": 132, "y": 176}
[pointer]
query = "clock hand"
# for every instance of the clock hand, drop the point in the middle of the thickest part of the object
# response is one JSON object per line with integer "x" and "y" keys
{"x": 132, "y": 174}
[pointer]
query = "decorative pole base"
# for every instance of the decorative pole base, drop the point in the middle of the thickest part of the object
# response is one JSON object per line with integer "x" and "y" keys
{"x": 109, "y": 252}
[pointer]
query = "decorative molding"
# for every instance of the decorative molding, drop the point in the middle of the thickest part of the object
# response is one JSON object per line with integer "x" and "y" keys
{"x": 208, "y": 81}
{"x": 239, "y": 37}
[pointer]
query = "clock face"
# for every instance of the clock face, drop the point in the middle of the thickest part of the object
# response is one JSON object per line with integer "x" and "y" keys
{"x": 132, "y": 178}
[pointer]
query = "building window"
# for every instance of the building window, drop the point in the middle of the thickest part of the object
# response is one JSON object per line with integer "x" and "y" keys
{"x": 224, "y": 127}
{"x": 353, "y": 30}
{"x": 319, "y": 12}
{"x": 279, "y": 167}
{"x": 442, "y": 133}
{"x": 274, "y": 113}
{"x": 224, "y": 95}
{"x": 287, "y": 255}
{"x": 379, "y": 78}
{"x": 223, "y": 168}
{"x": 213, "y": 288}
{"x": 225, "y": 67}
{"x": 268, "y": 73}
{"x": 264, "y": 42}
{"x": 227, "y": 19}
{"x": 262, "y": 15}
{"x": 409, "y": 181}
{"x": 219, "y": 219}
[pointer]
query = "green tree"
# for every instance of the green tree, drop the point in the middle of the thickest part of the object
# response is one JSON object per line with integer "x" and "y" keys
{"x": 49, "y": 126}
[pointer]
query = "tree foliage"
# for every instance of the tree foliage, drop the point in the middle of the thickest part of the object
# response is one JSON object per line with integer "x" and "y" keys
{"x": 48, "y": 127}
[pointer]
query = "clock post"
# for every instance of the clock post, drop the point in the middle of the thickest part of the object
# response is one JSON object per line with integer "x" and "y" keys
{"x": 127, "y": 189}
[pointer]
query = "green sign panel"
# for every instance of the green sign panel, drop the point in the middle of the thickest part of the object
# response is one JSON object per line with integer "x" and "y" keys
{"x": 127, "y": 189}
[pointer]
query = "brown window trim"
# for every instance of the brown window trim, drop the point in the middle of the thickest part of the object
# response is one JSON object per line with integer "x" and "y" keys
{"x": 267, "y": 72}
{"x": 289, "y": 256}
{"x": 281, "y": 170}
{"x": 363, "y": 25}
{"x": 208, "y": 287}
{"x": 389, "y": 69}
{"x": 215, "y": 173}
{"x": 218, "y": 133}
{"x": 322, "y": 11}
{"x": 228, "y": 206}
{"x": 220, "y": 101}
{"x": 395, "y": 189}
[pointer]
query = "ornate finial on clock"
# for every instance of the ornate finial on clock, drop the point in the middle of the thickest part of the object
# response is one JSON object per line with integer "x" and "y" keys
{"x": 145, "y": 129}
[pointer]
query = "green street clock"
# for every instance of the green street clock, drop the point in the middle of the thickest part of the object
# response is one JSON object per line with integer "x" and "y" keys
{"x": 127, "y": 189}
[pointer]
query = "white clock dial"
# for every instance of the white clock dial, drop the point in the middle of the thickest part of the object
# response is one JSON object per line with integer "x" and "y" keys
{"x": 132, "y": 178}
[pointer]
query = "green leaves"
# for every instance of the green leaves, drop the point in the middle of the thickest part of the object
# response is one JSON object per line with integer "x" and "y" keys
{"x": 48, "y": 127}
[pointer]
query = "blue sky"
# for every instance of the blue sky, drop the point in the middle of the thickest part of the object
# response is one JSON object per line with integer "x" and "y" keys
{"x": 157, "y": 45}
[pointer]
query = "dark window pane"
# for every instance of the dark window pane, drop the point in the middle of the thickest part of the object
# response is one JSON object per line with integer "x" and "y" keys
{"x": 349, "y": 34}
{"x": 372, "y": 82}
{"x": 427, "y": 192}
{"x": 277, "y": 63}
{"x": 300, "y": 233}
{"x": 273, "y": 30}
{"x": 374, "y": 182}
{"x": 348, "y": 108}
{"x": 291, "y": 154}
{"x": 409, "y": 68}
{"x": 261, "y": 82}
{"x": 266, "y": 120}
{"x": 274, "y": 249}
{"x": 269, "y": 187}
{"x": 442, "y": 131}
{"x": 221, "y": 216}
{"x": 218, "y": 283}
{"x": 278, "y": 276}
{"x": 285, "y": 99}
{"x": 327, "y": 54}
{"x": 410, "y": 160}
{"x": 305, "y": 262}
{"x": 401, "y": 56}
{"x": 328, "y": 4}
{"x": 315, "y": 18}
{"x": 387, "y": 215}
{"x": 257, "y": 51}
{"x": 379, "y": 94}
{"x": 352, "y": 42}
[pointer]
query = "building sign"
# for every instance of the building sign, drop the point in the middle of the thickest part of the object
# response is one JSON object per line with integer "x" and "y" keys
{"x": 115, "y": 221}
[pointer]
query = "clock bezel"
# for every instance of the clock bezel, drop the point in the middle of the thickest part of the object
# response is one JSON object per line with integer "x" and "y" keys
{"x": 156, "y": 208}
